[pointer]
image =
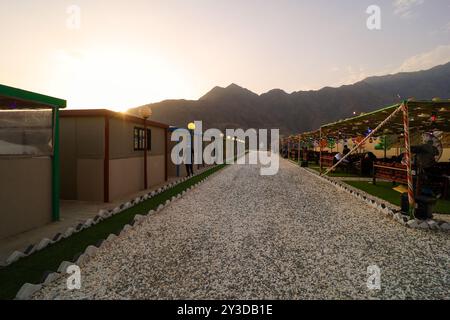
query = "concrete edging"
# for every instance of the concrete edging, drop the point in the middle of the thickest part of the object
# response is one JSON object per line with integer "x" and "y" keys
{"x": 384, "y": 208}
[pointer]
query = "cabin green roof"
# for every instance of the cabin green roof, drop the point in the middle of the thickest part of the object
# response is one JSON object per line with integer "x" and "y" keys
{"x": 14, "y": 98}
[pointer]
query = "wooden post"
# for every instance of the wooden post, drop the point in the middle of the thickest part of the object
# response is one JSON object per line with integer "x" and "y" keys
{"x": 145, "y": 155}
{"x": 320, "y": 152}
{"x": 411, "y": 199}
{"x": 382, "y": 124}
{"x": 106, "y": 162}
{"x": 56, "y": 167}
{"x": 166, "y": 155}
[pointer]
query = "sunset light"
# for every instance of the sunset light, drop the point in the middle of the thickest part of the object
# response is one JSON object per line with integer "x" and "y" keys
{"x": 225, "y": 159}
{"x": 115, "y": 78}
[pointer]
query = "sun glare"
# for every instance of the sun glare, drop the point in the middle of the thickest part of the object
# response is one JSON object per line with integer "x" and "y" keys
{"x": 116, "y": 79}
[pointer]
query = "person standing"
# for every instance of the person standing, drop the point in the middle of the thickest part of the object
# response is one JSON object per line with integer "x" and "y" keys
{"x": 190, "y": 164}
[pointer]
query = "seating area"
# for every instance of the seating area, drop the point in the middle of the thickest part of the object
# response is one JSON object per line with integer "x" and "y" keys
{"x": 395, "y": 172}
{"x": 407, "y": 143}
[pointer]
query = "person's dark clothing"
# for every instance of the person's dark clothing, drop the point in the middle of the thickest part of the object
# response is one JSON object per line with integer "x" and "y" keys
{"x": 190, "y": 167}
{"x": 346, "y": 150}
{"x": 189, "y": 170}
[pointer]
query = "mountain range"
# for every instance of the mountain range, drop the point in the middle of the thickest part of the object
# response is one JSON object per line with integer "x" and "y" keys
{"x": 237, "y": 107}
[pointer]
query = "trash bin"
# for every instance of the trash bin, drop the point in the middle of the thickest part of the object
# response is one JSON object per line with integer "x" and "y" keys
{"x": 404, "y": 203}
{"x": 425, "y": 206}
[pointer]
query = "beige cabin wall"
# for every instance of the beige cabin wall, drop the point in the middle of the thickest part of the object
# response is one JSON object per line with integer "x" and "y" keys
{"x": 125, "y": 177}
{"x": 155, "y": 170}
{"x": 90, "y": 180}
{"x": 25, "y": 194}
{"x": 82, "y": 153}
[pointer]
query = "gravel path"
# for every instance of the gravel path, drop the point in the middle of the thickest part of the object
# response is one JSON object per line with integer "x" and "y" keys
{"x": 244, "y": 236}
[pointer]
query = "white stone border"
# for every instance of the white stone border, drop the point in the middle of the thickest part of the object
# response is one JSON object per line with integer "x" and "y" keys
{"x": 28, "y": 290}
{"x": 382, "y": 207}
{"x": 102, "y": 214}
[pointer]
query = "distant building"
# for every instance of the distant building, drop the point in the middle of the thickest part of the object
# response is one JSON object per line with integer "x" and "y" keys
{"x": 29, "y": 160}
{"x": 105, "y": 155}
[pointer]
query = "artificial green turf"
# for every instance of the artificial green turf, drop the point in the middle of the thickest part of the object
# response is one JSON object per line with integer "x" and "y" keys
{"x": 31, "y": 269}
{"x": 337, "y": 174}
{"x": 384, "y": 190}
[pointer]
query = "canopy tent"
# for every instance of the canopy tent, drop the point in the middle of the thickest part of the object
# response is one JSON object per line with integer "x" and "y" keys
{"x": 289, "y": 144}
{"x": 310, "y": 136}
{"x": 29, "y": 114}
{"x": 406, "y": 118}
{"x": 424, "y": 116}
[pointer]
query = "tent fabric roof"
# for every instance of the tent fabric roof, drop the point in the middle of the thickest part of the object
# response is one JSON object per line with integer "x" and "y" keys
{"x": 312, "y": 135}
{"x": 13, "y": 98}
{"x": 420, "y": 113}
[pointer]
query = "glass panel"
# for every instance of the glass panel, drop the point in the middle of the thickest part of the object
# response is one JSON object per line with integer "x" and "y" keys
{"x": 26, "y": 132}
{"x": 136, "y": 139}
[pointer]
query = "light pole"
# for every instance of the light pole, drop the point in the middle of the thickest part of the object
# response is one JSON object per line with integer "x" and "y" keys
{"x": 191, "y": 128}
{"x": 146, "y": 112}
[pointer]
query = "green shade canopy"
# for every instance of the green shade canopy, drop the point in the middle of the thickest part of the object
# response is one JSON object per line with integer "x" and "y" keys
{"x": 13, "y": 98}
{"x": 420, "y": 120}
{"x": 312, "y": 135}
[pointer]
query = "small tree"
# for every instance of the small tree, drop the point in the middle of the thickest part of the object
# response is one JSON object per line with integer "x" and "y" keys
{"x": 386, "y": 143}
{"x": 331, "y": 144}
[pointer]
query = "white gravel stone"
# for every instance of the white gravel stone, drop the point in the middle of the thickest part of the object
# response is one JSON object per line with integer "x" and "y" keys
{"x": 43, "y": 244}
{"x": 102, "y": 212}
{"x": 412, "y": 224}
{"x": 89, "y": 223}
{"x": 82, "y": 259}
{"x": 111, "y": 237}
{"x": 13, "y": 257}
{"x": 433, "y": 224}
{"x": 51, "y": 277}
{"x": 27, "y": 290}
{"x": 68, "y": 232}
{"x": 244, "y": 236}
{"x": 90, "y": 251}
{"x": 64, "y": 265}
{"x": 138, "y": 218}
{"x": 423, "y": 225}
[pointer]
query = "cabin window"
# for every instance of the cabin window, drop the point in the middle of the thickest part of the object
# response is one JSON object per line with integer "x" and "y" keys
{"x": 26, "y": 132}
{"x": 139, "y": 142}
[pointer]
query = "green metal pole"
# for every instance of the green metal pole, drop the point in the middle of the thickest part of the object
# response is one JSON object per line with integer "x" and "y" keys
{"x": 56, "y": 175}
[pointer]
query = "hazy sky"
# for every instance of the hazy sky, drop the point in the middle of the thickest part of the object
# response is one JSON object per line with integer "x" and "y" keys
{"x": 127, "y": 53}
